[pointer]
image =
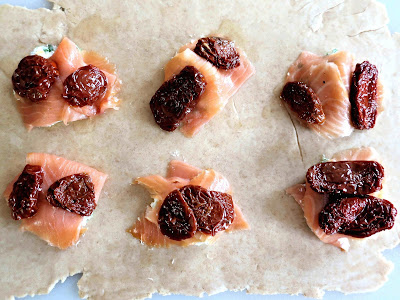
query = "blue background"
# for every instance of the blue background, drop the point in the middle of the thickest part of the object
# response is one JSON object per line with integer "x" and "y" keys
{"x": 390, "y": 291}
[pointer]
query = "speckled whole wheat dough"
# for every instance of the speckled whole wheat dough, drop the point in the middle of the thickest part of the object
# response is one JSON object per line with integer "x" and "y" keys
{"x": 252, "y": 142}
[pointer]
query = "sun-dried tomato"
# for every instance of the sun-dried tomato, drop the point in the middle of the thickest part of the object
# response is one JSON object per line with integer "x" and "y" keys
{"x": 360, "y": 216}
{"x": 177, "y": 97}
{"x": 85, "y": 86}
{"x": 176, "y": 218}
{"x": 363, "y": 95}
{"x": 218, "y": 51}
{"x": 213, "y": 210}
{"x": 74, "y": 193}
{"x": 194, "y": 208}
{"x": 346, "y": 177}
{"x": 304, "y": 102}
{"x": 24, "y": 196}
{"x": 34, "y": 77}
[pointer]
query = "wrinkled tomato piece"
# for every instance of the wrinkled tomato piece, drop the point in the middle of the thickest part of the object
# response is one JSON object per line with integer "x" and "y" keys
{"x": 176, "y": 218}
{"x": 34, "y": 77}
{"x": 194, "y": 208}
{"x": 177, "y": 97}
{"x": 346, "y": 177}
{"x": 218, "y": 51}
{"x": 213, "y": 210}
{"x": 363, "y": 96}
{"x": 303, "y": 101}
{"x": 85, "y": 86}
{"x": 74, "y": 193}
{"x": 24, "y": 196}
{"x": 359, "y": 217}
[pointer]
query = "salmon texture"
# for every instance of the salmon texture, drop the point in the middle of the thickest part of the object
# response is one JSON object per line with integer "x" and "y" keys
{"x": 312, "y": 203}
{"x": 221, "y": 85}
{"x": 58, "y": 227}
{"x": 330, "y": 78}
{"x": 54, "y": 108}
{"x": 180, "y": 174}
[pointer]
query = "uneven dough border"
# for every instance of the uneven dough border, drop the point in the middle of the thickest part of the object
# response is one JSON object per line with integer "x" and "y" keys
{"x": 253, "y": 126}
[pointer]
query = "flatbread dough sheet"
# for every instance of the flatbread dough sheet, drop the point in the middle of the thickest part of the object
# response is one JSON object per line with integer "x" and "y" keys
{"x": 252, "y": 142}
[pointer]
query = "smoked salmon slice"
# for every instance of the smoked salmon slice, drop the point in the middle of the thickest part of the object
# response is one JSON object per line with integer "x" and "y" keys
{"x": 330, "y": 77}
{"x": 221, "y": 85}
{"x": 69, "y": 58}
{"x": 180, "y": 174}
{"x": 312, "y": 203}
{"x": 58, "y": 227}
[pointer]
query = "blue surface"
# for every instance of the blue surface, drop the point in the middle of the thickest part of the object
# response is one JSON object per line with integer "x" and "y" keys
{"x": 390, "y": 291}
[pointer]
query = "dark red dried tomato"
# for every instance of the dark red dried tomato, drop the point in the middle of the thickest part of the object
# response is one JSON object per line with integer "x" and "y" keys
{"x": 360, "y": 216}
{"x": 213, "y": 210}
{"x": 34, "y": 77}
{"x": 363, "y": 95}
{"x": 304, "y": 102}
{"x": 24, "y": 196}
{"x": 177, "y": 97}
{"x": 176, "y": 218}
{"x": 346, "y": 177}
{"x": 218, "y": 51}
{"x": 74, "y": 193}
{"x": 85, "y": 86}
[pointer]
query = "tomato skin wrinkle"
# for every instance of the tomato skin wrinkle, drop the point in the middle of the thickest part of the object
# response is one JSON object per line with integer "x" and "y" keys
{"x": 26, "y": 190}
{"x": 34, "y": 77}
{"x": 363, "y": 96}
{"x": 303, "y": 101}
{"x": 346, "y": 177}
{"x": 85, "y": 86}
{"x": 218, "y": 51}
{"x": 359, "y": 216}
{"x": 74, "y": 193}
{"x": 177, "y": 97}
{"x": 176, "y": 218}
{"x": 214, "y": 211}
{"x": 193, "y": 208}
